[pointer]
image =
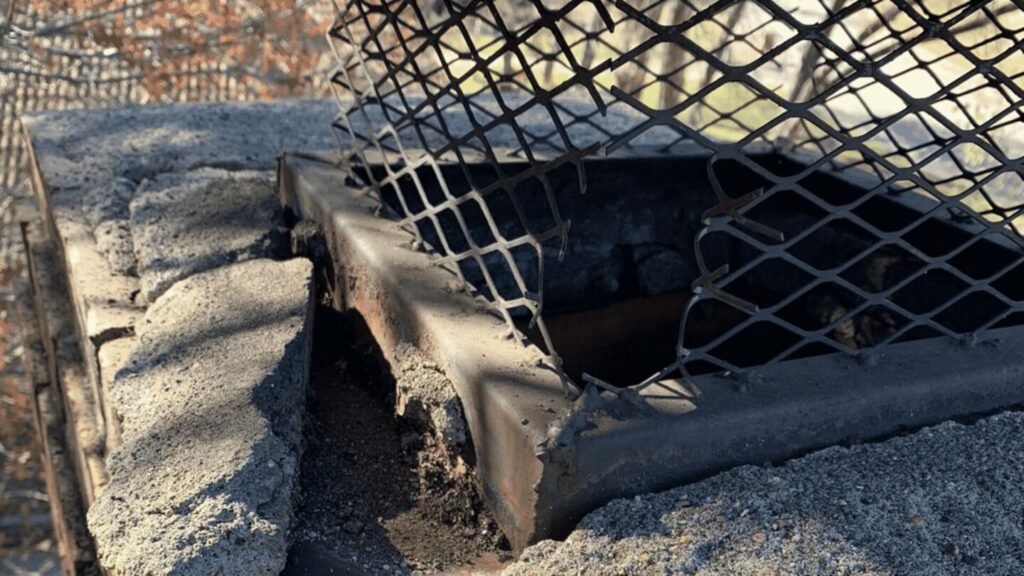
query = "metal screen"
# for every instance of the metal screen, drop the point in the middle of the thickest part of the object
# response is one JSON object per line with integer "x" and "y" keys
{"x": 864, "y": 155}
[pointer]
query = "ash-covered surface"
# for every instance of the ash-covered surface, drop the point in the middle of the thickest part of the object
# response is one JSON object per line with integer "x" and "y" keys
{"x": 378, "y": 495}
{"x": 81, "y": 148}
{"x": 93, "y": 161}
{"x": 183, "y": 223}
{"x": 944, "y": 500}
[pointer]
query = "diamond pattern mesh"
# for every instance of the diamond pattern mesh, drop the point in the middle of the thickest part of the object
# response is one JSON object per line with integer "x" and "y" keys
{"x": 883, "y": 137}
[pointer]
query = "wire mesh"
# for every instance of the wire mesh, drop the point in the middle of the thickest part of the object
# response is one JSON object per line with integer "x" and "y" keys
{"x": 864, "y": 155}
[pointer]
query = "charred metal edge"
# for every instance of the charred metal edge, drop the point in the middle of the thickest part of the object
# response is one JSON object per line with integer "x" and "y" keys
{"x": 508, "y": 399}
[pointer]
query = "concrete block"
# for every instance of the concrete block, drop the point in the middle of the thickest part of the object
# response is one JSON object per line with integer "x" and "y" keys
{"x": 103, "y": 300}
{"x": 944, "y": 500}
{"x": 184, "y": 223}
{"x": 211, "y": 402}
{"x": 81, "y": 149}
{"x": 106, "y": 209}
{"x": 112, "y": 356}
{"x": 83, "y": 431}
{"x": 86, "y": 165}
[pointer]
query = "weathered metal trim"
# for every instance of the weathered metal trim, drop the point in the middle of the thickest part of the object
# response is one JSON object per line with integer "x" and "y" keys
{"x": 508, "y": 399}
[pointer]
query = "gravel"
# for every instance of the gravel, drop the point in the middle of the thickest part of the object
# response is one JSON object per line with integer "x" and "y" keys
{"x": 944, "y": 500}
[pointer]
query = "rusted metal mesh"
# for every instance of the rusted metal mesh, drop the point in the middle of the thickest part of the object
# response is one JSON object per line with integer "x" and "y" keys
{"x": 911, "y": 106}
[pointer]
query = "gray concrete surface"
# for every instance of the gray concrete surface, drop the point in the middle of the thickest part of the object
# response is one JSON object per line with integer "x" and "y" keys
{"x": 187, "y": 222}
{"x": 110, "y": 358}
{"x": 90, "y": 163}
{"x": 945, "y": 500}
{"x": 211, "y": 402}
{"x": 203, "y": 425}
{"x": 106, "y": 211}
{"x": 92, "y": 160}
{"x": 78, "y": 149}
{"x": 87, "y": 166}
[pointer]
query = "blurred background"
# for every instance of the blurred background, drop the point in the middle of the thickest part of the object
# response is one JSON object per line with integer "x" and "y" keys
{"x": 58, "y": 54}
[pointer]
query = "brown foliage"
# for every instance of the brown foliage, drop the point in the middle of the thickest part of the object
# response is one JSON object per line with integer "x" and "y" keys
{"x": 269, "y": 46}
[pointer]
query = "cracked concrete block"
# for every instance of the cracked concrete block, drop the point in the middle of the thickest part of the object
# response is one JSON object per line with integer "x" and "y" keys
{"x": 103, "y": 299}
{"x": 425, "y": 393}
{"x": 86, "y": 164}
{"x": 111, "y": 357}
{"x": 106, "y": 209}
{"x": 211, "y": 401}
{"x": 102, "y": 303}
{"x": 184, "y": 223}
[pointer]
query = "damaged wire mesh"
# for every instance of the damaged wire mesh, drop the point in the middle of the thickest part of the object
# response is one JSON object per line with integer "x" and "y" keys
{"x": 864, "y": 156}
